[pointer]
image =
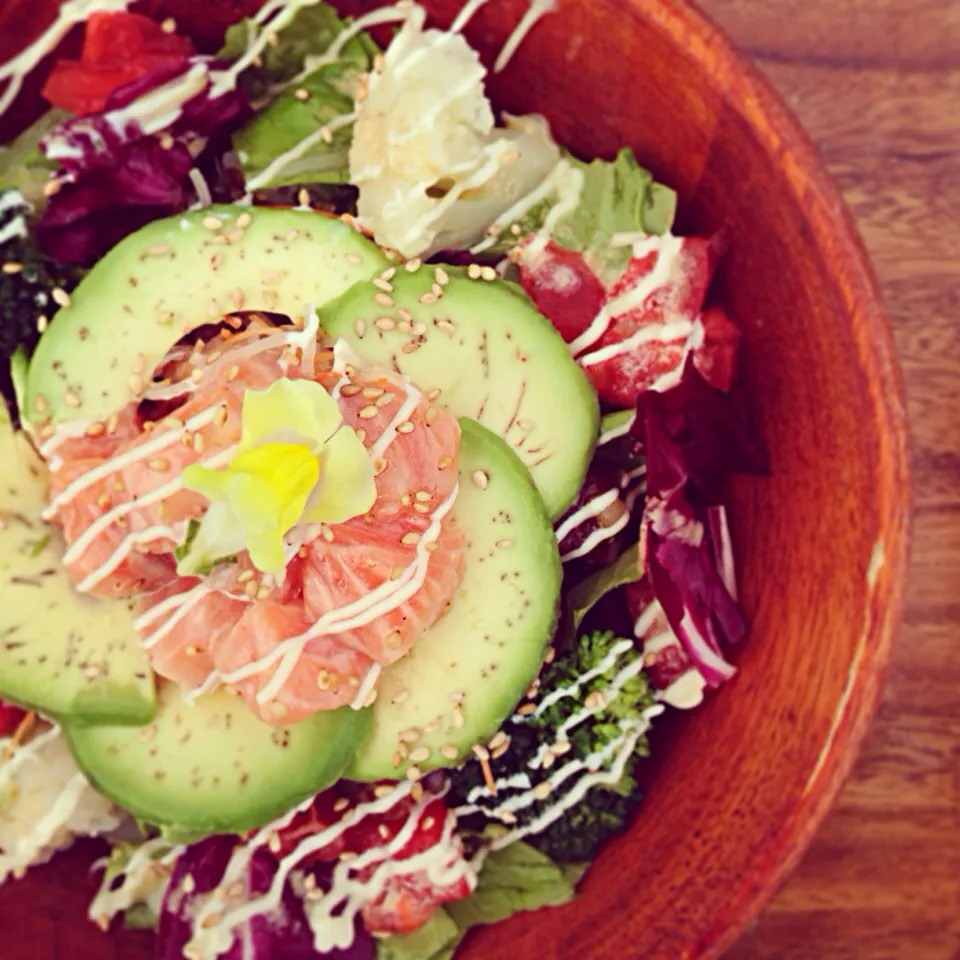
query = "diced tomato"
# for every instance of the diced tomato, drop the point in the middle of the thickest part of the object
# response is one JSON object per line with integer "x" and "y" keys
{"x": 572, "y": 297}
{"x": 10, "y": 718}
{"x": 117, "y": 48}
{"x": 407, "y": 900}
{"x": 564, "y": 289}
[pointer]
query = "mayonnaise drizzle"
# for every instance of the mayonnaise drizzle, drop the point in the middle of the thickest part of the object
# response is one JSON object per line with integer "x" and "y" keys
{"x": 189, "y": 600}
{"x": 573, "y": 689}
{"x": 133, "y": 456}
{"x": 139, "y": 537}
{"x": 596, "y": 537}
{"x": 103, "y": 523}
{"x": 69, "y": 14}
{"x": 369, "y": 682}
{"x": 657, "y": 332}
{"x": 407, "y": 408}
{"x": 536, "y": 10}
{"x": 667, "y": 248}
{"x": 587, "y": 512}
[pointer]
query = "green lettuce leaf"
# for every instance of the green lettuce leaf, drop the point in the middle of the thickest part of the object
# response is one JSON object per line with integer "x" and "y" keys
{"x": 618, "y": 196}
{"x": 588, "y": 593}
{"x": 436, "y": 940}
{"x": 22, "y": 165}
{"x": 512, "y": 880}
{"x": 309, "y": 34}
{"x": 290, "y": 119}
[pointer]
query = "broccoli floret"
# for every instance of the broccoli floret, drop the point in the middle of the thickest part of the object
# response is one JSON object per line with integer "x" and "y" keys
{"x": 600, "y": 722}
{"x": 27, "y": 280}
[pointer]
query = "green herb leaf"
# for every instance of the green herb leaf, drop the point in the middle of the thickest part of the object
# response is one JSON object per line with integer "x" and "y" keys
{"x": 22, "y": 165}
{"x": 588, "y": 593}
{"x": 309, "y": 34}
{"x": 140, "y": 916}
{"x": 40, "y": 545}
{"x": 193, "y": 528}
{"x": 291, "y": 119}
{"x": 574, "y": 872}
{"x": 436, "y": 940}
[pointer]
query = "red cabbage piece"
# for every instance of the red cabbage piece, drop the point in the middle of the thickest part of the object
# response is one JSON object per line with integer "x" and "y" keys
{"x": 282, "y": 936}
{"x": 694, "y": 440}
{"x": 115, "y": 177}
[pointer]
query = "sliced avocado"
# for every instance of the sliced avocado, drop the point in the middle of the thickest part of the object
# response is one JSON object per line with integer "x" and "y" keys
{"x": 173, "y": 276}
{"x": 493, "y": 358}
{"x": 617, "y": 421}
{"x": 61, "y": 653}
{"x": 18, "y": 377}
{"x": 464, "y": 676}
{"x": 213, "y": 766}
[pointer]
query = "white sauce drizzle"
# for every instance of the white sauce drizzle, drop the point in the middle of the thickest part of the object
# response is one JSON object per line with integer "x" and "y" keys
{"x": 536, "y": 10}
{"x": 614, "y": 433}
{"x": 70, "y": 13}
{"x": 520, "y": 779}
{"x": 596, "y": 537}
{"x": 667, "y": 248}
{"x": 573, "y": 689}
{"x": 133, "y": 456}
{"x": 17, "y": 227}
{"x": 409, "y": 405}
{"x": 662, "y": 332}
{"x": 102, "y": 523}
{"x": 276, "y": 167}
{"x": 204, "y": 197}
{"x": 570, "y": 184}
{"x": 587, "y": 512}
{"x": 466, "y": 14}
{"x": 157, "y": 611}
{"x": 369, "y": 682}
{"x": 150, "y": 535}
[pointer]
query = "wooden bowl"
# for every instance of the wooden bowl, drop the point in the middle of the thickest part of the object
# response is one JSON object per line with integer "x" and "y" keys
{"x": 736, "y": 789}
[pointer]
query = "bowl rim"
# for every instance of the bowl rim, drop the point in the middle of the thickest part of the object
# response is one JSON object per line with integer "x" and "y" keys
{"x": 749, "y": 94}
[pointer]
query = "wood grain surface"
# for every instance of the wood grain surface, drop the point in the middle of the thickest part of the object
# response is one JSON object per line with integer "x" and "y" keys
{"x": 876, "y": 83}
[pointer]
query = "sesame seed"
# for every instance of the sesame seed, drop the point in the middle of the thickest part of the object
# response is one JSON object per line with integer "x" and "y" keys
{"x": 474, "y": 271}
{"x": 192, "y": 650}
{"x": 550, "y": 655}
{"x": 350, "y": 390}
{"x": 561, "y": 747}
{"x": 503, "y": 544}
{"x": 158, "y": 250}
{"x": 41, "y": 323}
{"x": 196, "y": 375}
{"x": 340, "y": 805}
{"x": 400, "y": 696}
{"x": 382, "y": 284}
{"x": 251, "y": 588}
{"x": 431, "y": 416}
{"x": 302, "y": 94}
{"x": 189, "y": 884}
{"x": 445, "y": 462}
{"x": 433, "y": 546}
{"x": 412, "y": 266}
{"x": 548, "y": 760}
{"x": 446, "y": 326}
{"x": 361, "y": 434}
{"x": 212, "y": 223}
{"x": 112, "y": 425}
{"x": 60, "y": 297}
{"x": 405, "y": 315}
{"x": 429, "y": 298}
{"x": 169, "y": 25}
{"x": 449, "y": 751}
{"x": 385, "y": 323}
{"x": 11, "y": 267}
{"x": 499, "y": 739}
{"x": 245, "y": 576}
{"x": 326, "y": 533}
{"x": 72, "y": 399}
{"x": 368, "y": 412}
{"x": 393, "y": 640}
{"x": 382, "y": 791}
{"x": 411, "y": 735}
{"x": 52, "y": 187}
{"x": 384, "y": 300}
{"x": 458, "y": 720}
{"x": 323, "y": 679}
{"x": 221, "y": 418}
{"x": 326, "y": 135}
{"x": 233, "y": 373}
{"x": 235, "y": 236}
{"x": 198, "y": 443}
{"x": 413, "y": 773}
{"x": 424, "y": 496}
{"x": 360, "y": 325}
{"x": 411, "y": 346}
{"x": 405, "y": 326}
{"x": 164, "y": 317}
{"x": 419, "y": 329}
{"x": 481, "y": 479}
{"x": 488, "y": 273}
{"x": 303, "y": 197}
{"x": 410, "y": 538}
{"x": 405, "y": 427}
{"x": 420, "y": 754}
{"x": 354, "y": 258}
{"x": 160, "y": 464}
{"x": 264, "y": 592}
{"x": 595, "y": 701}
{"x": 379, "y": 465}
{"x": 244, "y": 221}
{"x": 542, "y": 790}
{"x": 373, "y": 393}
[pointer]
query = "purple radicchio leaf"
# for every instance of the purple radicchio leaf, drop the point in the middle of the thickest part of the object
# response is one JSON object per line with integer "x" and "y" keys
{"x": 282, "y": 935}
{"x": 694, "y": 440}
{"x": 117, "y": 176}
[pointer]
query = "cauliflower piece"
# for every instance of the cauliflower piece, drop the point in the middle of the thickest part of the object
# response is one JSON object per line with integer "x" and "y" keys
{"x": 432, "y": 168}
{"x": 45, "y": 802}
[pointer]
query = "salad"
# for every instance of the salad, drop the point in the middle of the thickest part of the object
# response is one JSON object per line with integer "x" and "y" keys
{"x": 363, "y": 483}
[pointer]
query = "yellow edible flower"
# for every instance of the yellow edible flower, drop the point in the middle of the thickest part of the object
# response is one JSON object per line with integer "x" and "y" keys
{"x": 296, "y": 463}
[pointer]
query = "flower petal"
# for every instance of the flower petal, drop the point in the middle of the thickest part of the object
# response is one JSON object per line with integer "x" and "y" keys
{"x": 346, "y": 488}
{"x": 302, "y": 404}
{"x": 220, "y": 535}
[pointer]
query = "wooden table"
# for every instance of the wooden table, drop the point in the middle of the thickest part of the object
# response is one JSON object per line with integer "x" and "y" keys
{"x": 877, "y": 85}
